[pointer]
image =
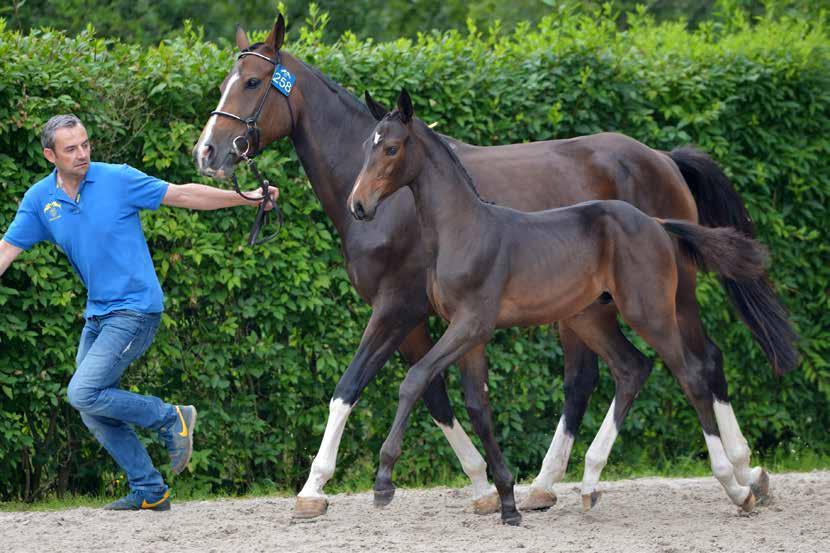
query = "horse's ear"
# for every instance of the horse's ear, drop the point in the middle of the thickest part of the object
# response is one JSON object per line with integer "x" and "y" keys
{"x": 277, "y": 36}
{"x": 242, "y": 41}
{"x": 405, "y": 106}
{"x": 377, "y": 110}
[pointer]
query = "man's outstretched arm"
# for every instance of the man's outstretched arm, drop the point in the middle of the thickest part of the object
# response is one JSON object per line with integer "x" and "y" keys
{"x": 203, "y": 197}
{"x": 8, "y": 253}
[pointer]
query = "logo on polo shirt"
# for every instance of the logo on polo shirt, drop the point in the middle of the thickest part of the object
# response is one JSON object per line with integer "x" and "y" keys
{"x": 51, "y": 209}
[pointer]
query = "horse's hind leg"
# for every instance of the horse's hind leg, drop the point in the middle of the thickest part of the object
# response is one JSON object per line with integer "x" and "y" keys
{"x": 474, "y": 379}
{"x": 630, "y": 368}
{"x": 652, "y": 317}
{"x": 733, "y": 444}
{"x": 581, "y": 374}
{"x": 485, "y": 496}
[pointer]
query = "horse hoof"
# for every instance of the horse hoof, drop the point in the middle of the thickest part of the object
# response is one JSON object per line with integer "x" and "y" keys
{"x": 310, "y": 507}
{"x": 487, "y": 504}
{"x": 749, "y": 503}
{"x": 589, "y": 500}
{"x": 538, "y": 500}
{"x": 513, "y": 519}
{"x": 384, "y": 497}
{"x": 760, "y": 489}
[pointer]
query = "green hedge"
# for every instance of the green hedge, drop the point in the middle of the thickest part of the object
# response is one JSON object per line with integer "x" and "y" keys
{"x": 257, "y": 339}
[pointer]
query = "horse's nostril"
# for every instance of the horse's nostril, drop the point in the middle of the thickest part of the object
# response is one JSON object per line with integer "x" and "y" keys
{"x": 207, "y": 152}
{"x": 359, "y": 211}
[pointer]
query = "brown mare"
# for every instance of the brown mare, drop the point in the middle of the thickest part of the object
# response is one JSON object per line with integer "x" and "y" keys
{"x": 387, "y": 262}
{"x": 493, "y": 267}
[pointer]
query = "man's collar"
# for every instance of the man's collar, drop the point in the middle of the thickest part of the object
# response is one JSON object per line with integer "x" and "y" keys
{"x": 88, "y": 177}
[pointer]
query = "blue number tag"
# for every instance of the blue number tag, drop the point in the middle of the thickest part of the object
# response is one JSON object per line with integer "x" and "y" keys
{"x": 283, "y": 80}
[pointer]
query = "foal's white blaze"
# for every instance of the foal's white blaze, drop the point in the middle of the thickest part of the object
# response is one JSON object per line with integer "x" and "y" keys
{"x": 556, "y": 459}
{"x": 599, "y": 451}
{"x": 734, "y": 444}
{"x": 323, "y": 466}
{"x": 207, "y": 135}
{"x": 471, "y": 460}
{"x": 722, "y": 468}
{"x": 377, "y": 138}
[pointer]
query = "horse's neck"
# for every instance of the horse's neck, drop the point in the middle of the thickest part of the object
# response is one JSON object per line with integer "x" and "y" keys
{"x": 448, "y": 208}
{"x": 328, "y": 141}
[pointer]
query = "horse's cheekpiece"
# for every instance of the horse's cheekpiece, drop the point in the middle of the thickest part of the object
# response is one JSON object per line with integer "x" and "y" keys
{"x": 283, "y": 80}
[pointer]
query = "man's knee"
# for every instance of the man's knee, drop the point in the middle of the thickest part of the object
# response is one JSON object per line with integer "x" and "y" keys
{"x": 80, "y": 396}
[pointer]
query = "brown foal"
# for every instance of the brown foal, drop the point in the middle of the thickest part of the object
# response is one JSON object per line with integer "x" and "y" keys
{"x": 492, "y": 267}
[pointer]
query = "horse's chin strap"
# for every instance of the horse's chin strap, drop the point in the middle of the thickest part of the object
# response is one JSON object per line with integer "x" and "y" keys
{"x": 251, "y": 150}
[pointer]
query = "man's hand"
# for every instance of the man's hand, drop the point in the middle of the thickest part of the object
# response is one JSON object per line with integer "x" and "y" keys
{"x": 273, "y": 191}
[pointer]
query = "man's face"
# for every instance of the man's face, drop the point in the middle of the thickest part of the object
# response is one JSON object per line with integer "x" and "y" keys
{"x": 71, "y": 152}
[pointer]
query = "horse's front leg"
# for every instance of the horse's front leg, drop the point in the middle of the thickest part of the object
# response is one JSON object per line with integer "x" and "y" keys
{"x": 485, "y": 496}
{"x": 387, "y": 328}
{"x": 464, "y": 332}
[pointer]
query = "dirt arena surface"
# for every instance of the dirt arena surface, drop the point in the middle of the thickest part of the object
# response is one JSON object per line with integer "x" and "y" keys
{"x": 649, "y": 514}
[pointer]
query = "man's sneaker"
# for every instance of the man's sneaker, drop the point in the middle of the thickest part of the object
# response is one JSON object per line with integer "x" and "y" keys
{"x": 136, "y": 501}
{"x": 178, "y": 437}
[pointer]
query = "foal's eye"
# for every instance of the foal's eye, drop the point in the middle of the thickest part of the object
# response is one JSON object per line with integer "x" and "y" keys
{"x": 392, "y": 150}
{"x": 252, "y": 83}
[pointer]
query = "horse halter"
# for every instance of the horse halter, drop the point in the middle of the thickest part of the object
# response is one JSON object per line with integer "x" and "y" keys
{"x": 252, "y": 135}
{"x": 251, "y": 141}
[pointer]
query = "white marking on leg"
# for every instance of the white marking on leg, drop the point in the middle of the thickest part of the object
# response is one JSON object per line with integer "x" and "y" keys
{"x": 323, "y": 466}
{"x": 722, "y": 468}
{"x": 556, "y": 460}
{"x": 734, "y": 443}
{"x": 471, "y": 460}
{"x": 598, "y": 453}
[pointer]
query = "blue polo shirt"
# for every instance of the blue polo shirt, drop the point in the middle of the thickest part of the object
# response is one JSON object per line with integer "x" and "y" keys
{"x": 100, "y": 232}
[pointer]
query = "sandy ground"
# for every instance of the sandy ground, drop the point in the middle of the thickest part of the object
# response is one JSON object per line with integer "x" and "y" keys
{"x": 648, "y": 514}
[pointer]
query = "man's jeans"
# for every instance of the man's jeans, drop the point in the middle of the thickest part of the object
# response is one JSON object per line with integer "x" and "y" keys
{"x": 109, "y": 343}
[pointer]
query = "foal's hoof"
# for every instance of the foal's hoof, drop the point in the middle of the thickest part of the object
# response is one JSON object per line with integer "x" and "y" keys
{"x": 760, "y": 488}
{"x": 310, "y": 507}
{"x": 589, "y": 500}
{"x": 384, "y": 497}
{"x": 487, "y": 504}
{"x": 749, "y": 503}
{"x": 538, "y": 500}
{"x": 512, "y": 519}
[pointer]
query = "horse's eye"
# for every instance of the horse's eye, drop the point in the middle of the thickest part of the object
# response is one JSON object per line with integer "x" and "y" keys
{"x": 252, "y": 83}
{"x": 392, "y": 150}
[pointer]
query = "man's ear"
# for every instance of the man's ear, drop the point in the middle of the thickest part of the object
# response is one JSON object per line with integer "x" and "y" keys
{"x": 49, "y": 154}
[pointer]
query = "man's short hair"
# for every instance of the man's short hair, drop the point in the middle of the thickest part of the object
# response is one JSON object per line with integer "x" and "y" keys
{"x": 64, "y": 121}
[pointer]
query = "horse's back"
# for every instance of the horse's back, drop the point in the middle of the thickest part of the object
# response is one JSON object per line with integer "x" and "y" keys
{"x": 535, "y": 176}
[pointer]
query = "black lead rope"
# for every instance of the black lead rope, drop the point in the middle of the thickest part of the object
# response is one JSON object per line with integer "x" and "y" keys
{"x": 251, "y": 138}
{"x": 262, "y": 214}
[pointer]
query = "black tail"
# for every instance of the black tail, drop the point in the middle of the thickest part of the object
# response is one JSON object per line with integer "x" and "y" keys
{"x": 719, "y": 205}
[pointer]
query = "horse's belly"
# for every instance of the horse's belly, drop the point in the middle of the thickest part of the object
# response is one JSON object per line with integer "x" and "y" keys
{"x": 531, "y": 307}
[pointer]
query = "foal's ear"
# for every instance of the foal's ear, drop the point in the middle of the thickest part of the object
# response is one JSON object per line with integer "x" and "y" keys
{"x": 277, "y": 35}
{"x": 242, "y": 41}
{"x": 405, "y": 106}
{"x": 378, "y": 111}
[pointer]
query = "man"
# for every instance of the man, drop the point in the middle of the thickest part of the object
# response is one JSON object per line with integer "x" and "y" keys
{"x": 91, "y": 211}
